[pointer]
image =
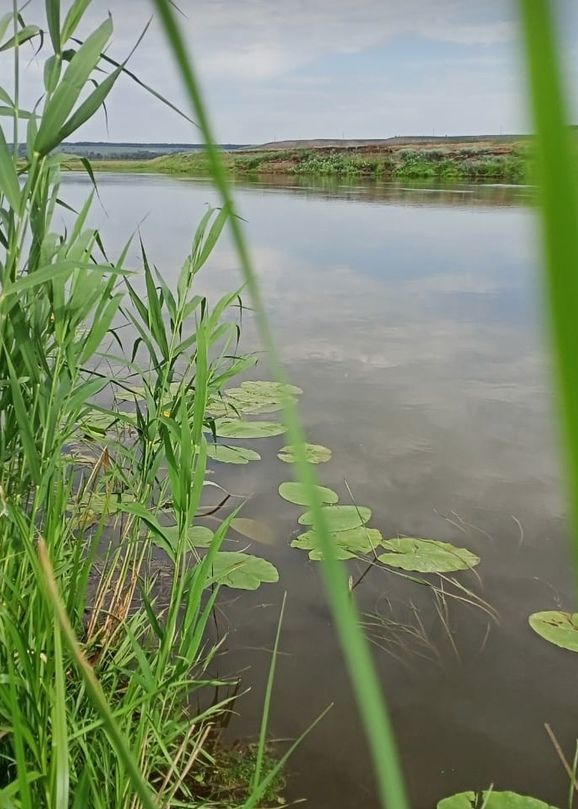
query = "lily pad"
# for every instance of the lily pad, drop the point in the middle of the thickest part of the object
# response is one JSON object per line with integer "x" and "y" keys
{"x": 491, "y": 800}
{"x": 297, "y": 493}
{"x": 314, "y": 453}
{"x": 427, "y": 556}
{"x": 347, "y": 544}
{"x": 236, "y": 428}
{"x": 253, "y": 529}
{"x": 242, "y": 571}
{"x": 255, "y": 408}
{"x": 198, "y": 535}
{"x": 236, "y": 455}
{"x": 261, "y": 390}
{"x": 559, "y": 628}
{"x": 340, "y": 518}
{"x": 128, "y": 394}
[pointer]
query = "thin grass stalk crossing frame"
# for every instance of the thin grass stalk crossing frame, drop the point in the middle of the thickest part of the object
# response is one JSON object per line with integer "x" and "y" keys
{"x": 556, "y": 176}
{"x": 355, "y": 646}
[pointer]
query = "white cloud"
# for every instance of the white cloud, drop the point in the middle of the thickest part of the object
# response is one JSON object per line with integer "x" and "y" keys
{"x": 319, "y": 68}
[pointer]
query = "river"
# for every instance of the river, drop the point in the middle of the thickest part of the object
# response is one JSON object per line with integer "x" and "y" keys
{"x": 411, "y": 317}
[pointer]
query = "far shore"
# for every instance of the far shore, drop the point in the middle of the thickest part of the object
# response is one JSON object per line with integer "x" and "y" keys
{"x": 470, "y": 159}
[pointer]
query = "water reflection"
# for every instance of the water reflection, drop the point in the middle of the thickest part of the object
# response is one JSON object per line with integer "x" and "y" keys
{"x": 407, "y": 191}
{"x": 410, "y": 317}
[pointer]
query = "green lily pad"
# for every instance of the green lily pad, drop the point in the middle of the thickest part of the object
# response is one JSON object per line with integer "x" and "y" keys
{"x": 102, "y": 503}
{"x": 297, "y": 493}
{"x": 198, "y": 535}
{"x": 140, "y": 392}
{"x": 259, "y": 397}
{"x": 126, "y": 394}
{"x": 234, "y": 408}
{"x": 559, "y": 628}
{"x": 253, "y": 529}
{"x": 426, "y": 556}
{"x": 235, "y": 428}
{"x": 219, "y": 408}
{"x": 347, "y": 544}
{"x": 261, "y": 390}
{"x": 314, "y": 453}
{"x": 236, "y": 455}
{"x": 255, "y": 408}
{"x": 491, "y": 800}
{"x": 340, "y": 518}
{"x": 242, "y": 571}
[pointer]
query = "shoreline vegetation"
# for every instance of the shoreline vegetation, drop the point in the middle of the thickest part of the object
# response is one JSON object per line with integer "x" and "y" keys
{"x": 467, "y": 160}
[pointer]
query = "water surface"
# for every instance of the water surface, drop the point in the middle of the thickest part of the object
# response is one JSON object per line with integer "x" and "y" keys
{"x": 411, "y": 319}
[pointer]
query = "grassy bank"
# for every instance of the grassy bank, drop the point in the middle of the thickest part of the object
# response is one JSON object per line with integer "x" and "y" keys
{"x": 111, "y": 412}
{"x": 486, "y": 161}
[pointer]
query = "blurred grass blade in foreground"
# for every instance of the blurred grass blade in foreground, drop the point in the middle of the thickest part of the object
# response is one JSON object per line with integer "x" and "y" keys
{"x": 556, "y": 175}
{"x": 356, "y": 649}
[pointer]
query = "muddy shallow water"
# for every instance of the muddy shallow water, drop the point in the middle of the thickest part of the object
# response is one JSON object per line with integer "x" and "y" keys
{"x": 411, "y": 319}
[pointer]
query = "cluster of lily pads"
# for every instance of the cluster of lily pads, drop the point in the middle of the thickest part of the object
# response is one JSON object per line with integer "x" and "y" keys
{"x": 226, "y": 419}
{"x": 352, "y": 538}
{"x": 229, "y": 418}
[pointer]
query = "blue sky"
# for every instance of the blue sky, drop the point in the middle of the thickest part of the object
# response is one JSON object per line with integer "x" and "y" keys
{"x": 276, "y": 69}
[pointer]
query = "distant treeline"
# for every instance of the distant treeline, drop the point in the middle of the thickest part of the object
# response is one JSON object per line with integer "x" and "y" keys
{"x": 101, "y": 150}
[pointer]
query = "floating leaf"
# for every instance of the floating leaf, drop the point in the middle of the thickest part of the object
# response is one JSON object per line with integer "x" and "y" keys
{"x": 491, "y": 800}
{"x": 253, "y": 529}
{"x": 263, "y": 390}
{"x": 347, "y": 544}
{"x": 198, "y": 535}
{"x": 217, "y": 408}
{"x": 259, "y": 397}
{"x": 84, "y": 519}
{"x": 103, "y": 502}
{"x": 298, "y": 493}
{"x": 126, "y": 394}
{"x": 99, "y": 423}
{"x": 340, "y": 518}
{"x": 235, "y": 428}
{"x": 426, "y": 556}
{"x": 242, "y": 571}
{"x": 255, "y": 408}
{"x": 559, "y": 628}
{"x": 237, "y": 455}
{"x": 233, "y": 408}
{"x": 314, "y": 453}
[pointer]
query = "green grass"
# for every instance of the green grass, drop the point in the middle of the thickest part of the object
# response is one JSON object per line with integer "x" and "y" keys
{"x": 100, "y": 663}
{"x": 467, "y": 164}
{"x": 559, "y": 208}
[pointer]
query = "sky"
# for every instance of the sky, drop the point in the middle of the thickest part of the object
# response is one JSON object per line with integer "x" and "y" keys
{"x": 285, "y": 69}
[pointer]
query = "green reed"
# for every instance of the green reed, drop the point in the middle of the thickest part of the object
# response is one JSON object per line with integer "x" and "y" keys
{"x": 99, "y": 664}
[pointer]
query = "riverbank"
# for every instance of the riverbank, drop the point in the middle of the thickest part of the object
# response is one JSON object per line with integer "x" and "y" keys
{"x": 452, "y": 161}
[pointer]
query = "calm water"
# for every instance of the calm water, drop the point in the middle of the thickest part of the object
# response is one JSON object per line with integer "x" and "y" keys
{"x": 411, "y": 320}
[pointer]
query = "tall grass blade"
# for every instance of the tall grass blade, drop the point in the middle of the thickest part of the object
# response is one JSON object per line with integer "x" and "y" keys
{"x": 9, "y": 186}
{"x": 61, "y": 103}
{"x": 267, "y": 702}
{"x": 53, "y": 19}
{"x": 556, "y": 174}
{"x": 356, "y": 649}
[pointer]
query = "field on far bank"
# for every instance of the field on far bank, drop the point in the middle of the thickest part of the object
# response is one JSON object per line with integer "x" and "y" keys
{"x": 456, "y": 160}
